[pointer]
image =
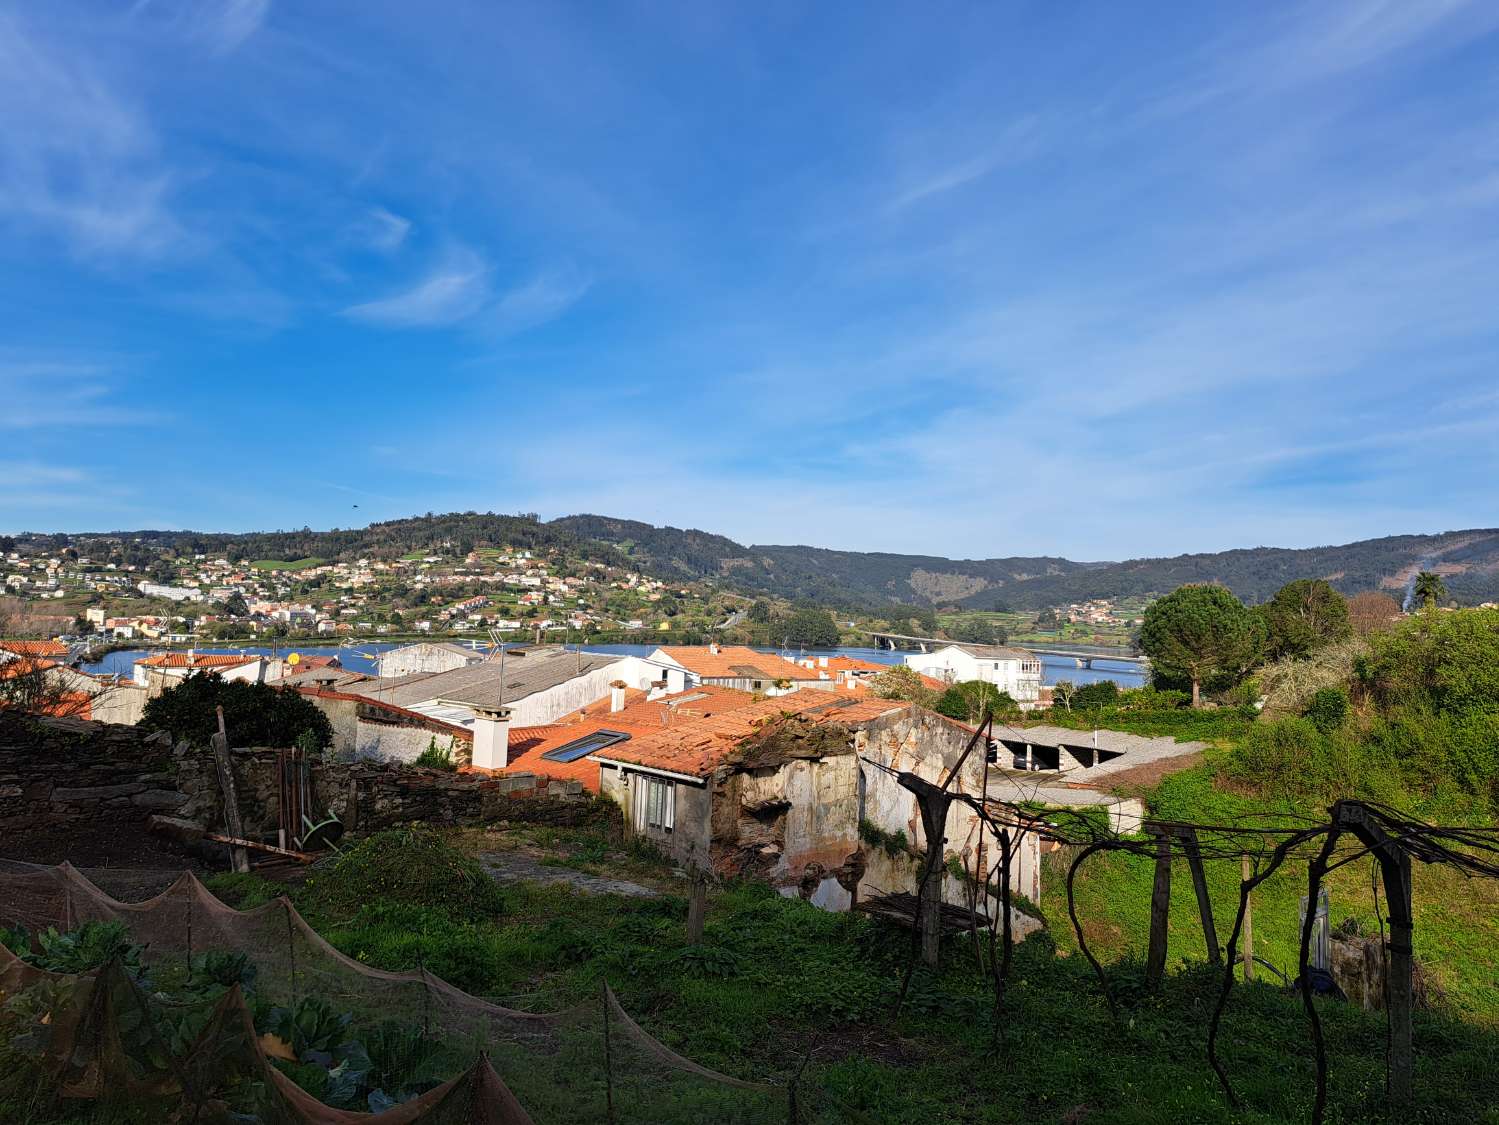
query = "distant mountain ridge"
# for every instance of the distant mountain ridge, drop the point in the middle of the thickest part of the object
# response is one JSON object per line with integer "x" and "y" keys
{"x": 1467, "y": 560}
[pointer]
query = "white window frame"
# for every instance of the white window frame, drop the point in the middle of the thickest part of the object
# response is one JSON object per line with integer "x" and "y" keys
{"x": 654, "y": 802}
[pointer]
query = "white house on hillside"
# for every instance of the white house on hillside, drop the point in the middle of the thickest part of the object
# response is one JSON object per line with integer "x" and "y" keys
{"x": 1013, "y": 670}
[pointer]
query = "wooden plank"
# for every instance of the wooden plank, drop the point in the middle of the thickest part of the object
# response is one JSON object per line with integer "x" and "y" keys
{"x": 238, "y": 857}
{"x": 1160, "y": 910}
{"x": 1188, "y": 837}
{"x": 271, "y": 849}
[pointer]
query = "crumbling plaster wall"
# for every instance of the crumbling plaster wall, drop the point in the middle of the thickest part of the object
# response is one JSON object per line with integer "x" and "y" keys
{"x": 929, "y": 746}
{"x": 795, "y": 824}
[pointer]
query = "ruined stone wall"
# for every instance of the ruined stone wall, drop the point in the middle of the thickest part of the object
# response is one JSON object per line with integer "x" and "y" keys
{"x": 372, "y": 795}
{"x": 923, "y": 743}
{"x": 58, "y": 772}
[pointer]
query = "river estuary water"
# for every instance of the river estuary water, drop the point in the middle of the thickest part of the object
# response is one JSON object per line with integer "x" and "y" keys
{"x": 361, "y": 657}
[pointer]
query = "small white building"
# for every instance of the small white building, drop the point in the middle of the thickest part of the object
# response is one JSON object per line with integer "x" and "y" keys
{"x": 427, "y": 656}
{"x": 1013, "y": 670}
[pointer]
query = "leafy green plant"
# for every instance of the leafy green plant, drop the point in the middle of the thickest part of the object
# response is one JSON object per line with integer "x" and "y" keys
{"x": 436, "y": 757}
{"x": 221, "y": 969}
{"x": 413, "y": 866}
{"x": 16, "y": 939}
{"x": 1328, "y": 709}
{"x": 703, "y": 961}
{"x": 311, "y": 1024}
{"x": 893, "y": 844}
{"x": 86, "y": 948}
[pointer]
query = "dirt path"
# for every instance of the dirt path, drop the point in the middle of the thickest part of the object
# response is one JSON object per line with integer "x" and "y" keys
{"x": 512, "y": 867}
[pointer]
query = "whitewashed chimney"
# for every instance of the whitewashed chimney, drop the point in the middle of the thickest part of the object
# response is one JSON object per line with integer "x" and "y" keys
{"x": 616, "y": 696}
{"x": 713, "y": 647}
{"x": 491, "y": 737}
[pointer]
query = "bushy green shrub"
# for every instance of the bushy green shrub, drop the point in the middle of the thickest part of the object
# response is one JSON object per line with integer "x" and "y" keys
{"x": 412, "y": 866}
{"x": 1328, "y": 709}
{"x": 967, "y": 701}
{"x": 254, "y": 714}
{"x": 436, "y": 757}
{"x": 1100, "y": 693}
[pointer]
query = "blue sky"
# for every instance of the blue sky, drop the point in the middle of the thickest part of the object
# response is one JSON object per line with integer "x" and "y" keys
{"x": 1100, "y": 280}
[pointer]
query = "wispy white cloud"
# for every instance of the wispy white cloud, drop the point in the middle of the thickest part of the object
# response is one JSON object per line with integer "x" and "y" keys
{"x": 1333, "y": 38}
{"x": 76, "y": 157}
{"x": 454, "y": 291}
{"x": 222, "y": 26}
{"x": 42, "y": 392}
{"x": 383, "y": 230}
{"x": 543, "y": 298}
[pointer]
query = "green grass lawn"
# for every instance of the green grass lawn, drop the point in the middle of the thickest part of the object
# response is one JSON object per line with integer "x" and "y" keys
{"x": 283, "y": 564}
{"x": 1456, "y": 919}
{"x": 786, "y": 981}
{"x": 779, "y": 984}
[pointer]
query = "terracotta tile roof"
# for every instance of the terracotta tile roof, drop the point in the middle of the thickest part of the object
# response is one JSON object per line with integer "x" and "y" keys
{"x": 528, "y": 744}
{"x": 196, "y": 661}
{"x": 641, "y": 711}
{"x": 736, "y": 662}
{"x": 698, "y": 747}
{"x": 35, "y": 648}
{"x": 21, "y": 665}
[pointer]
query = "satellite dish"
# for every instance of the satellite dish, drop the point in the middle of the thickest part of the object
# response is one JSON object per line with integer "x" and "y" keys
{"x": 294, "y": 658}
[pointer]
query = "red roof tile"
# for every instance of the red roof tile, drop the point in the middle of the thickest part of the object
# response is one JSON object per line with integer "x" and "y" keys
{"x": 699, "y": 747}
{"x": 196, "y": 661}
{"x": 35, "y": 648}
{"x": 736, "y": 662}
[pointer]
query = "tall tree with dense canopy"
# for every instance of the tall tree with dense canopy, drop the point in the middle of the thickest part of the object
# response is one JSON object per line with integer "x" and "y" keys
{"x": 968, "y": 701}
{"x": 1199, "y": 632}
{"x": 254, "y": 714}
{"x": 1429, "y": 589}
{"x": 814, "y": 628}
{"x": 901, "y": 681}
{"x": 1304, "y": 615}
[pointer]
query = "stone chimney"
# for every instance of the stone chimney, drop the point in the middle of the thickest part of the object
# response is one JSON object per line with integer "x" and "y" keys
{"x": 491, "y": 737}
{"x": 616, "y": 696}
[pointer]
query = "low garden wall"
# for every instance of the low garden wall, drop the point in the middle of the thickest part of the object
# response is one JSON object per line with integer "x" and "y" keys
{"x": 56, "y": 773}
{"x": 370, "y": 795}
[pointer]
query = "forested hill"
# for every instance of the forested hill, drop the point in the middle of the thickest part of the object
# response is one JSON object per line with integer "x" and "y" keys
{"x": 1467, "y": 560}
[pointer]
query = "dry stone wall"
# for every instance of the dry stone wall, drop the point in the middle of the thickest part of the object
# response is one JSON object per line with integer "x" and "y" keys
{"x": 62, "y": 776}
{"x": 55, "y": 773}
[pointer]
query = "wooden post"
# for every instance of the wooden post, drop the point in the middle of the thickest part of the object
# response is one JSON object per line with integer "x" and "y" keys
{"x": 697, "y": 907}
{"x": 608, "y": 1059}
{"x": 1395, "y": 866}
{"x": 239, "y": 857}
{"x": 1244, "y": 874}
{"x": 1400, "y": 999}
{"x": 1160, "y": 909}
{"x": 351, "y": 807}
{"x": 1188, "y": 838}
